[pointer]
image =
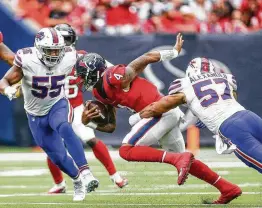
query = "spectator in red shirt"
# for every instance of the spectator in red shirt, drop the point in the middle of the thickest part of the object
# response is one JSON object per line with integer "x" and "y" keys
{"x": 211, "y": 25}
{"x": 121, "y": 18}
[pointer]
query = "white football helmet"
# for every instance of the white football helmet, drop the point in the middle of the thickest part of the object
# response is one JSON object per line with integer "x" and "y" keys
{"x": 199, "y": 66}
{"x": 50, "y": 46}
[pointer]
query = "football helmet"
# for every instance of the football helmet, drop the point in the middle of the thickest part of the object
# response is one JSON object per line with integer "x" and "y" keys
{"x": 68, "y": 33}
{"x": 199, "y": 66}
{"x": 90, "y": 67}
{"x": 50, "y": 46}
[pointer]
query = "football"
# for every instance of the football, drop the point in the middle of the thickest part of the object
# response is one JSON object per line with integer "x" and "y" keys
{"x": 103, "y": 119}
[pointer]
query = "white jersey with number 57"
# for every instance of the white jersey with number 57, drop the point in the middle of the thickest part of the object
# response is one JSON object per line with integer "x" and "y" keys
{"x": 209, "y": 96}
{"x": 42, "y": 86}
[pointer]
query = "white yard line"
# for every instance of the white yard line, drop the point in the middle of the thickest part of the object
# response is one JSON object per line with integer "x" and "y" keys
{"x": 124, "y": 194}
{"x": 135, "y": 187}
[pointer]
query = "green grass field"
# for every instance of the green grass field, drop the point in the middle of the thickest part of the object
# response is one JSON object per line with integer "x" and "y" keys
{"x": 24, "y": 181}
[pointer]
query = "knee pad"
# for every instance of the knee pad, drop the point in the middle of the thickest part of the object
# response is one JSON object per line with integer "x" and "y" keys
{"x": 124, "y": 152}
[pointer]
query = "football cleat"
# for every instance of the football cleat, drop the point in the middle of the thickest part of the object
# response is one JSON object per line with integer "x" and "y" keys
{"x": 79, "y": 190}
{"x": 91, "y": 183}
{"x": 120, "y": 181}
{"x": 227, "y": 197}
{"x": 183, "y": 167}
{"x": 58, "y": 188}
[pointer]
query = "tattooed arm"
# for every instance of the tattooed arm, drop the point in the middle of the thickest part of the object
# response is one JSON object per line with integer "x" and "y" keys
{"x": 163, "y": 105}
{"x": 139, "y": 64}
{"x": 6, "y": 54}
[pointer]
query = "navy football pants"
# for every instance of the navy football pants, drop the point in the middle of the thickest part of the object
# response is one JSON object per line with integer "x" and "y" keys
{"x": 244, "y": 129}
{"x": 48, "y": 132}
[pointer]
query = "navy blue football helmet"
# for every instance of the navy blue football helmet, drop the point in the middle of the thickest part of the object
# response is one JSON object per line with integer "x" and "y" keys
{"x": 90, "y": 67}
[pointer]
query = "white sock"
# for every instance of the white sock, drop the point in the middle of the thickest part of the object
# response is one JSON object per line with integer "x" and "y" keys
{"x": 116, "y": 177}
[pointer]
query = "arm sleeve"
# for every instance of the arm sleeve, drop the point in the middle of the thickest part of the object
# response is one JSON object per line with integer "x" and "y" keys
{"x": 18, "y": 59}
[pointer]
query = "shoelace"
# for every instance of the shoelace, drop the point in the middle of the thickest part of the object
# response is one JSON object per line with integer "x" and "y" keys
{"x": 77, "y": 187}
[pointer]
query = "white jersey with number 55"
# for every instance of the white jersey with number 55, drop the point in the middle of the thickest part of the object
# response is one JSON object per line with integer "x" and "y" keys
{"x": 209, "y": 96}
{"x": 42, "y": 86}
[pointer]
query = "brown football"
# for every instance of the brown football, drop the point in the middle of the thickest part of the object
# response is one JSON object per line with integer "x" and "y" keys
{"x": 103, "y": 119}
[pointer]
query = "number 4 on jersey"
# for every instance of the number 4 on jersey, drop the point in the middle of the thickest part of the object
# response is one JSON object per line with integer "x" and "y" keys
{"x": 118, "y": 76}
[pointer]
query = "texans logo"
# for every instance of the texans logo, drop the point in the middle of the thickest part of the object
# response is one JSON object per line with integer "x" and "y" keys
{"x": 39, "y": 36}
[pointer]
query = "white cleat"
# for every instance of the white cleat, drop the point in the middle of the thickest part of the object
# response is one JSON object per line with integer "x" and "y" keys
{"x": 79, "y": 190}
{"x": 58, "y": 188}
{"x": 120, "y": 181}
{"x": 91, "y": 183}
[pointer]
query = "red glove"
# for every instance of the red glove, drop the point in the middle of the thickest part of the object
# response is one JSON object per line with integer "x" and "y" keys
{"x": 1, "y": 37}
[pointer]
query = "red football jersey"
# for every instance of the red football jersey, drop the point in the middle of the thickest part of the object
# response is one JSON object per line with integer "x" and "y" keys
{"x": 140, "y": 94}
{"x": 78, "y": 99}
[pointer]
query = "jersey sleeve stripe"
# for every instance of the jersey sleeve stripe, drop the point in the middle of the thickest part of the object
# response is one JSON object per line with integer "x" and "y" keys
{"x": 176, "y": 82}
{"x": 173, "y": 87}
{"x": 19, "y": 58}
{"x": 17, "y": 63}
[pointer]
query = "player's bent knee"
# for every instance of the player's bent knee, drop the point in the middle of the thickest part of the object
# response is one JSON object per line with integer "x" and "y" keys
{"x": 92, "y": 142}
{"x": 124, "y": 152}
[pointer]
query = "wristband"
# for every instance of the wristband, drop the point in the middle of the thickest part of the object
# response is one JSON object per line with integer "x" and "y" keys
{"x": 91, "y": 125}
{"x": 167, "y": 55}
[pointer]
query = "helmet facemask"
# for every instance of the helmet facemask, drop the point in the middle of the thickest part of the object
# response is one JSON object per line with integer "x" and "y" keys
{"x": 51, "y": 55}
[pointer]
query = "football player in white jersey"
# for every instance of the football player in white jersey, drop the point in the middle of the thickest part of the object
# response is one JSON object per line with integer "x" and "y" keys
{"x": 211, "y": 97}
{"x": 86, "y": 134}
{"x": 42, "y": 70}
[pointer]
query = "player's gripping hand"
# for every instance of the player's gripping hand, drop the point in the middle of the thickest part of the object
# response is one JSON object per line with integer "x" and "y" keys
{"x": 11, "y": 91}
{"x": 90, "y": 114}
{"x": 1, "y": 37}
{"x": 179, "y": 42}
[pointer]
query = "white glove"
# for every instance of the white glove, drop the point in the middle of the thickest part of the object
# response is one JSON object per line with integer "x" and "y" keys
{"x": 10, "y": 91}
{"x": 134, "y": 119}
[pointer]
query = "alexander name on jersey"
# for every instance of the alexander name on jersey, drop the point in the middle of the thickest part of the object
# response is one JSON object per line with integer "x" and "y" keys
{"x": 196, "y": 78}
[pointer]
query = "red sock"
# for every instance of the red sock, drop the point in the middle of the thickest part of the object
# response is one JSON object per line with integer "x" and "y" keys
{"x": 102, "y": 154}
{"x": 55, "y": 171}
{"x": 203, "y": 172}
{"x": 141, "y": 154}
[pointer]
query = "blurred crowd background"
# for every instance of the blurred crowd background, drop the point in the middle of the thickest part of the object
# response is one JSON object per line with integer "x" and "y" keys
{"x": 122, "y": 17}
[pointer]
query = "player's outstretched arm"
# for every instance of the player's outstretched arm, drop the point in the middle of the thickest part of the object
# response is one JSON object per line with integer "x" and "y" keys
{"x": 12, "y": 76}
{"x": 139, "y": 64}
{"x": 6, "y": 54}
{"x": 163, "y": 105}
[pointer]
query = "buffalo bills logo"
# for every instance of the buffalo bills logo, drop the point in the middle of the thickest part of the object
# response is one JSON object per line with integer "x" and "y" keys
{"x": 39, "y": 36}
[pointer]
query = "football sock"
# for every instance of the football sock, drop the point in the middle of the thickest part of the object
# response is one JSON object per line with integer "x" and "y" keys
{"x": 102, "y": 154}
{"x": 73, "y": 144}
{"x": 203, "y": 172}
{"x": 147, "y": 154}
{"x": 55, "y": 171}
